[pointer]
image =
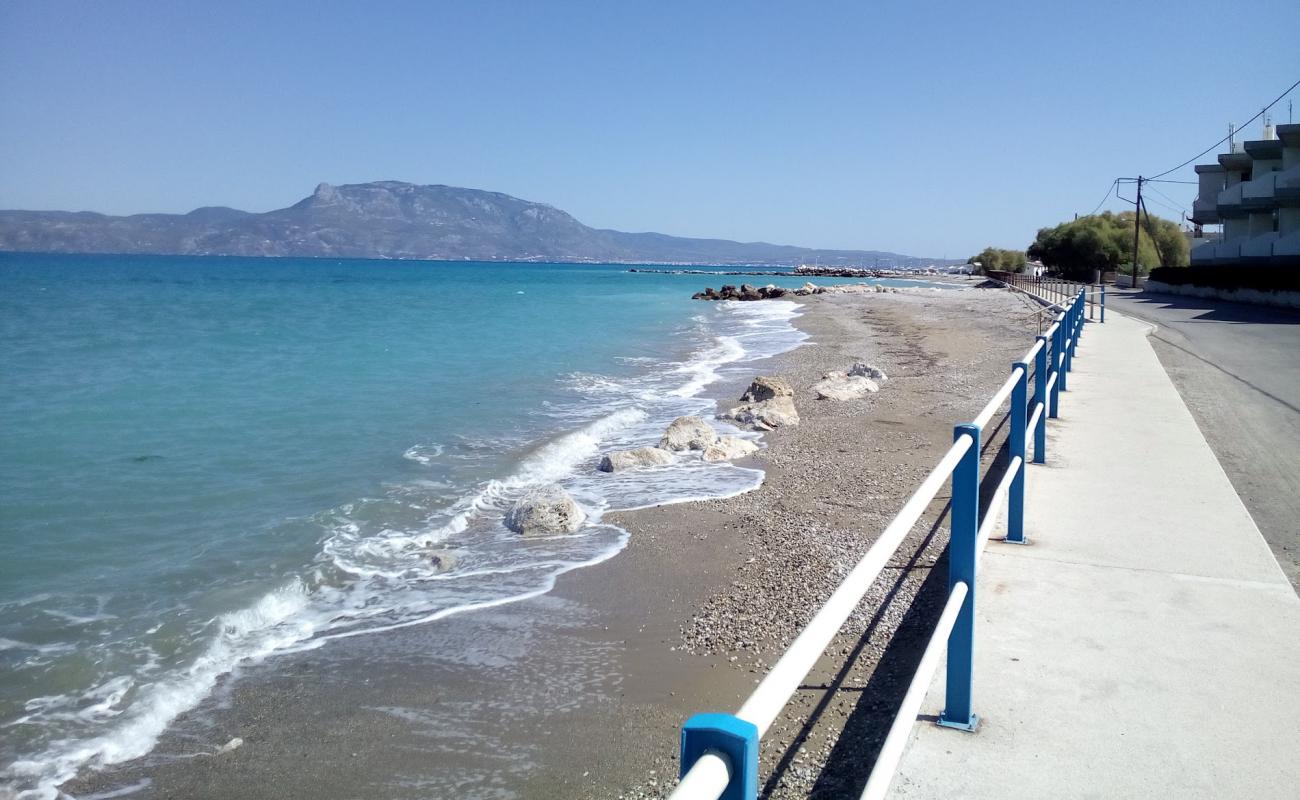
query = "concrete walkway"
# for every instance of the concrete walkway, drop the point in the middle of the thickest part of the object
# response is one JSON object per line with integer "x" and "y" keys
{"x": 1146, "y": 644}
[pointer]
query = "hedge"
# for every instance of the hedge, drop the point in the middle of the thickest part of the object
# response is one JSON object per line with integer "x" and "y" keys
{"x": 1231, "y": 276}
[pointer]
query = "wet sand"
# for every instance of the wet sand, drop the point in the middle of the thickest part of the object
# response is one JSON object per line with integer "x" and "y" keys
{"x": 580, "y": 692}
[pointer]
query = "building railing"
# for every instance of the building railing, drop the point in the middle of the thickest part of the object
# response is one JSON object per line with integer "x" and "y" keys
{"x": 719, "y": 752}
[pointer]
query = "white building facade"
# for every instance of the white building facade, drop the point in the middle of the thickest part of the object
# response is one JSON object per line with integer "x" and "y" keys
{"x": 1254, "y": 193}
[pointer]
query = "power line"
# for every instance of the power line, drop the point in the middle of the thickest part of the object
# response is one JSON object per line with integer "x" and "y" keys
{"x": 1113, "y": 185}
{"x": 1180, "y": 207}
{"x": 1229, "y": 136}
{"x": 1163, "y": 205}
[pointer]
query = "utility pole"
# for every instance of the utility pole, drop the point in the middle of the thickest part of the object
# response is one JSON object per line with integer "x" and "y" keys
{"x": 1137, "y": 215}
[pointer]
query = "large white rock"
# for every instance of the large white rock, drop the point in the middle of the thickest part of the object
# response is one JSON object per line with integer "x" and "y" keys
{"x": 545, "y": 509}
{"x": 688, "y": 433}
{"x": 841, "y": 386}
{"x": 765, "y": 387}
{"x": 640, "y": 457}
{"x": 729, "y": 448}
{"x": 778, "y": 412}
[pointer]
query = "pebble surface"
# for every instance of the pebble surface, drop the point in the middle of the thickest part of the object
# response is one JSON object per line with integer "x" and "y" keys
{"x": 832, "y": 485}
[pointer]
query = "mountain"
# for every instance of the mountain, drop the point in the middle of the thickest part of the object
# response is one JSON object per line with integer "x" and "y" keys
{"x": 391, "y": 219}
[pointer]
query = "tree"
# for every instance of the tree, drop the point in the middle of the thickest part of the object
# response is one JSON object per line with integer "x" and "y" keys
{"x": 995, "y": 258}
{"x": 1105, "y": 242}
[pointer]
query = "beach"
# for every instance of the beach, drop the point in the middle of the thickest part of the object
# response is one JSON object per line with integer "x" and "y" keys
{"x": 580, "y": 692}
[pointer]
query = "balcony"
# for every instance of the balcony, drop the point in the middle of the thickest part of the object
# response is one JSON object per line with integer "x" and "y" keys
{"x": 1286, "y": 251}
{"x": 1205, "y": 212}
{"x": 1287, "y": 186}
{"x": 1203, "y": 254}
{"x": 1259, "y": 193}
{"x": 1228, "y": 252}
{"x": 1259, "y": 249}
{"x": 1228, "y": 203}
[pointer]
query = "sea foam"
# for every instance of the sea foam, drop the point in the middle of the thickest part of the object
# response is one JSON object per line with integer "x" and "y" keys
{"x": 375, "y": 574}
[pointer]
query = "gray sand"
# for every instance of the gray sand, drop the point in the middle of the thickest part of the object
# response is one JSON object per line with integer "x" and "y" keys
{"x": 580, "y": 693}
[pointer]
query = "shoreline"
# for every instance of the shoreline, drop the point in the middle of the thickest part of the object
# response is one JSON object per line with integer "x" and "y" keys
{"x": 595, "y": 676}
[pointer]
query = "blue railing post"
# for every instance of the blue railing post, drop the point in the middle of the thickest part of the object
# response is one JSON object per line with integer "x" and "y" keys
{"x": 1058, "y": 349}
{"x": 963, "y": 549}
{"x": 1052, "y": 401}
{"x": 1073, "y": 335}
{"x": 1078, "y": 325}
{"x": 735, "y": 739}
{"x": 1040, "y": 398}
{"x": 1019, "y": 420}
{"x": 1068, "y": 324}
{"x": 1103, "y": 302}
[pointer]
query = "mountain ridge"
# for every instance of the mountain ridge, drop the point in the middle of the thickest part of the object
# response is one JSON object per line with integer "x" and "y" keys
{"x": 398, "y": 220}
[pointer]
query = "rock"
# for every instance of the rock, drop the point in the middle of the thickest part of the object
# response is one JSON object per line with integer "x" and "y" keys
{"x": 728, "y": 448}
{"x": 841, "y": 386}
{"x": 867, "y": 371}
{"x": 640, "y": 457}
{"x": 545, "y": 509}
{"x": 765, "y": 387}
{"x": 688, "y": 433}
{"x": 233, "y": 744}
{"x": 745, "y": 292}
{"x": 442, "y": 560}
{"x": 766, "y": 415}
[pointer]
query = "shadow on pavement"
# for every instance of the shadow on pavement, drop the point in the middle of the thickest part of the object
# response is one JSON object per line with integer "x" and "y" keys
{"x": 1215, "y": 310}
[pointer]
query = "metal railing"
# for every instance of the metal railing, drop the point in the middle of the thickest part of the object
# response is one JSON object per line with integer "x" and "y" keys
{"x": 719, "y": 752}
{"x": 1056, "y": 291}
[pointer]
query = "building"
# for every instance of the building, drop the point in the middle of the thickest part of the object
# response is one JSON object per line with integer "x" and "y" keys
{"x": 1254, "y": 193}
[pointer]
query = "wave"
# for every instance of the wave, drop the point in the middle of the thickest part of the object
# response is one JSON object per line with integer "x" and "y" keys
{"x": 375, "y": 569}
{"x": 423, "y": 453}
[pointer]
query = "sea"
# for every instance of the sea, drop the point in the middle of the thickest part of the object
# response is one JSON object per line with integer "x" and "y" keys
{"x": 205, "y": 462}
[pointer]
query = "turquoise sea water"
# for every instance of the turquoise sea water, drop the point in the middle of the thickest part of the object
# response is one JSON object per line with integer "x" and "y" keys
{"x": 210, "y": 460}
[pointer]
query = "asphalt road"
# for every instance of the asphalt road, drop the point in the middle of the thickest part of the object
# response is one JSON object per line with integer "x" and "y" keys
{"x": 1237, "y": 368}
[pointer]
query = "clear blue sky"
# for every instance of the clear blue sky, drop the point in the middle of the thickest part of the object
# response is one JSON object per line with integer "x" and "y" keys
{"x": 925, "y": 128}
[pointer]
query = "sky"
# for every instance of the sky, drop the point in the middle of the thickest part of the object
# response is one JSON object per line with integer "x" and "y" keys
{"x": 932, "y": 129}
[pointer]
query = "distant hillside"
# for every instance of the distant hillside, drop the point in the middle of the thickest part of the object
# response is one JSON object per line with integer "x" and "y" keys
{"x": 390, "y": 219}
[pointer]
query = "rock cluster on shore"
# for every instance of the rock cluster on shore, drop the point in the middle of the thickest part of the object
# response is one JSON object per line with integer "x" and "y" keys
{"x": 859, "y": 381}
{"x": 688, "y": 433}
{"x": 770, "y": 405}
{"x": 728, "y": 448}
{"x": 637, "y": 457}
{"x": 766, "y": 387}
{"x": 747, "y": 292}
{"x": 545, "y": 509}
